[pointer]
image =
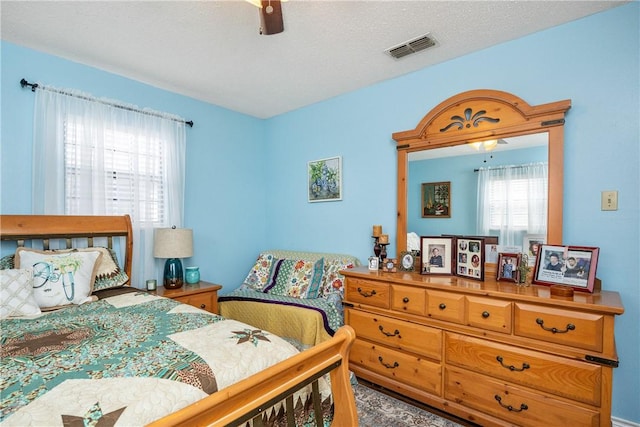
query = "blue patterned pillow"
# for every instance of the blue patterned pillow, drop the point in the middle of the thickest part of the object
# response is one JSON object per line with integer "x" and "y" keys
{"x": 260, "y": 274}
{"x": 296, "y": 278}
{"x": 7, "y": 262}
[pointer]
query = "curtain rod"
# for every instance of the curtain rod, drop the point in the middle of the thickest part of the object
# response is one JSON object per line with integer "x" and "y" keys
{"x": 35, "y": 86}
{"x": 511, "y": 167}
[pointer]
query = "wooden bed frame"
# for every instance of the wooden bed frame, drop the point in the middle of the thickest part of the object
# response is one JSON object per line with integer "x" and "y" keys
{"x": 239, "y": 402}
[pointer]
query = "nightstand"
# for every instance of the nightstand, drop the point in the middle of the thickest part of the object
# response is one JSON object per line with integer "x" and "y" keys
{"x": 203, "y": 295}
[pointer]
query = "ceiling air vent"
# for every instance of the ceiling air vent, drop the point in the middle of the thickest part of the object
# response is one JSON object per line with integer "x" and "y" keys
{"x": 412, "y": 46}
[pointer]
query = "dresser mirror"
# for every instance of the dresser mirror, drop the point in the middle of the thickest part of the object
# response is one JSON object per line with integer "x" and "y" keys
{"x": 448, "y": 130}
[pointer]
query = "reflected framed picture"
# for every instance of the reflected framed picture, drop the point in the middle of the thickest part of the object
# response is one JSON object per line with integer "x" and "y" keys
{"x": 436, "y": 255}
{"x": 508, "y": 266}
{"x": 325, "y": 180}
{"x": 530, "y": 245}
{"x": 436, "y": 199}
{"x": 573, "y": 266}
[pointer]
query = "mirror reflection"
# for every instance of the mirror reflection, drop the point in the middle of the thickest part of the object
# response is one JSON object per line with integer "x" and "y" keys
{"x": 497, "y": 188}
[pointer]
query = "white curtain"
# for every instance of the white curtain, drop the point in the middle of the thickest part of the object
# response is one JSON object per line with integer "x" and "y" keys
{"x": 512, "y": 200}
{"x": 107, "y": 139}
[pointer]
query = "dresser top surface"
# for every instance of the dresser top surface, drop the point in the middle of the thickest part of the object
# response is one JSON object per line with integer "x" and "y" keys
{"x": 602, "y": 301}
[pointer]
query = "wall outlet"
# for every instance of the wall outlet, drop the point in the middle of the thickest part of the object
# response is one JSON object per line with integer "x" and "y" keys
{"x": 610, "y": 200}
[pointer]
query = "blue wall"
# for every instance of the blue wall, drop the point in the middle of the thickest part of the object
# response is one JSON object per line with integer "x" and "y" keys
{"x": 459, "y": 170}
{"x": 225, "y": 152}
{"x": 246, "y": 178}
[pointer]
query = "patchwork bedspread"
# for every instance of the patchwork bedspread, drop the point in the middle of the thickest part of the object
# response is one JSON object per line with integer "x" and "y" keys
{"x": 127, "y": 360}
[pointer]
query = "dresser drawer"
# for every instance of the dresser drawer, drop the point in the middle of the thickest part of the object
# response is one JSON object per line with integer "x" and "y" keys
{"x": 563, "y": 377}
{"x": 408, "y": 299}
{"x": 512, "y": 403}
{"x": 367, "y": 292}
{"x": 410, "y": 370}
{"x": 203, "y": 301}
{"x": 490, "y": 314}
{"x": 445, "y": 306}
{"x": 572, "y": 328}
{"x": 397, "y": 333}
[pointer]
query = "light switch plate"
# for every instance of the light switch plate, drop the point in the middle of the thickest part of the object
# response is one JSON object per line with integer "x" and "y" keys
{"x": 610, "y": 200}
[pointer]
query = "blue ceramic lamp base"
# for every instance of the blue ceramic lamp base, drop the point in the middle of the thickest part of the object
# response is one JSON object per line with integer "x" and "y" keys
{"x": 173, "y": 276}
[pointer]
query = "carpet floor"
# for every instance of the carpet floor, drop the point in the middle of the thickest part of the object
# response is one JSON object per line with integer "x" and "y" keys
{"x": 377, "y": 409}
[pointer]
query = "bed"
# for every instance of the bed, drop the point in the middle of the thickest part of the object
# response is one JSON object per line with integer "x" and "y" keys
{"x": 272, "y": 298}
{"x": 128, "y": 357}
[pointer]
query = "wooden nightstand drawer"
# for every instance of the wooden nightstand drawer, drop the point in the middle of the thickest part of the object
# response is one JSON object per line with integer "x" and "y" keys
{"x": 397, "y": 333}
{"x": 408, "y": 300}
{"x": 394, "y": 364}
{"x": 558, "y": 375}
{"x": 203, "y": 301}
{"x": 491, "y": 314}
{"x": 573, "y": 328}
{"x": 203, "y": 295}
{"x": 515, "y": 404}
{"x": 445, "y": 306}
{"x": 367, "y": 292}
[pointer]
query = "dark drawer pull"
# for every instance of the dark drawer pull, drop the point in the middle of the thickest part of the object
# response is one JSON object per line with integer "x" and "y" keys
{"x": 442, "y": 306}
{"x": 366, "y": 294}
{"x": 386, "y": 365}
{"x": 511, "y": 367}
{"x": 570, "y": 327}
{"x": 405, "y": 300}
{"x": 523, "y": 406}
{"x": 203, "y": 306}
{"x": 485, "y": 314}
{"x": 396, "y": 332}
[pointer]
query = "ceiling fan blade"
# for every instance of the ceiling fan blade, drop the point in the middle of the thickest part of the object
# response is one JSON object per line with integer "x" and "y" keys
{"x": 271, "y": 17}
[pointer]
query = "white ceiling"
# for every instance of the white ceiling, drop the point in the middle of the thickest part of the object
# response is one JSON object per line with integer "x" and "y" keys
{"x": 212, "y": 51}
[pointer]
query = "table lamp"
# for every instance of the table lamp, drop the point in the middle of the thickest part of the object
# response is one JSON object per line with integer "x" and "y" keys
{"x": 173, "y": 243}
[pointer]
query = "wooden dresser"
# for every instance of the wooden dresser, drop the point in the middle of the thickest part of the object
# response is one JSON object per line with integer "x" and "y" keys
{"x": 491, "y": 352}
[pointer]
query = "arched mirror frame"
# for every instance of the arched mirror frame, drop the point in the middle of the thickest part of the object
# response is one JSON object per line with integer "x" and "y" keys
{"x": 479, "y": 115}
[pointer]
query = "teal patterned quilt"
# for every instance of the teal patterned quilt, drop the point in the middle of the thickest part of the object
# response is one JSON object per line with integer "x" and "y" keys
{"x": 128, "y": 360}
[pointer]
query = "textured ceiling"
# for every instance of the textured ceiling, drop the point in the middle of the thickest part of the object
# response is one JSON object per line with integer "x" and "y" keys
{"x": 212, "y": 51}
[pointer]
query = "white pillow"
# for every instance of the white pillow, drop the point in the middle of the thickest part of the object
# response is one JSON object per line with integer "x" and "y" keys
{"x": 16, "y": 293}
{"x": 60, "y": 279}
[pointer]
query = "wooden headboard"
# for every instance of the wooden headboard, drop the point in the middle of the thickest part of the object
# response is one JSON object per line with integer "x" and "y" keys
{"x": 45, "y": 228}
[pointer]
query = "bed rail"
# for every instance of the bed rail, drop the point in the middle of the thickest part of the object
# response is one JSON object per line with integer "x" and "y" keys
{"x": 234, "y": 404}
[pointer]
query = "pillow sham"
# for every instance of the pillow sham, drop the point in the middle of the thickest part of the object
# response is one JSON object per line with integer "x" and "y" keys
{"x": 60, "y": 278}
{"x": 108, "y": 272}
{"x": 333, "y": 281}
{"x": 16, "y": 293}
{"x": 260, "y": 273}
{"x": 6, "y": 262}
{"x": 296, "y": 278}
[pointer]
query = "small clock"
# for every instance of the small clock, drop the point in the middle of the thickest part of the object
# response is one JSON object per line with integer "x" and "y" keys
{"x": 389, "y": 265}
{"x": 407, "y": 261}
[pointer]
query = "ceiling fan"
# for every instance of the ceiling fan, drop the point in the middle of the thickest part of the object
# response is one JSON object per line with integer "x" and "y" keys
{"x": 270, "y": 16}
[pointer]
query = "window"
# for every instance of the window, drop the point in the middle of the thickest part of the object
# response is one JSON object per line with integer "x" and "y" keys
{"x": 512, "y": 201}
{"x": 96, "y": 157}
{"x": 133, "y": 175}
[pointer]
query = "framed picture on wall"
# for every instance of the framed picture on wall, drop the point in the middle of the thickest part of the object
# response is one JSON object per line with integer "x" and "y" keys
{"x": 436, "y": 199}
{"x": 325, "y": 179}
{"x": 470, "y": 257}
{"x": 437, "y": 255}
{"x": 573, "y": 266}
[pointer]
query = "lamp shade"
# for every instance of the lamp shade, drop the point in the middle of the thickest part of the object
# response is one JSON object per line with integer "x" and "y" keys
{"x": 173, "y": 243}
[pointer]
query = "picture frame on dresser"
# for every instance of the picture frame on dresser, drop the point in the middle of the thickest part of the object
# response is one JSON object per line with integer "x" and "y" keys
{"x": 437, "y": 255}
{"x": 470, "y": 254}
{"x": 508, "y": 264}
{"x": 573, "y": 266}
